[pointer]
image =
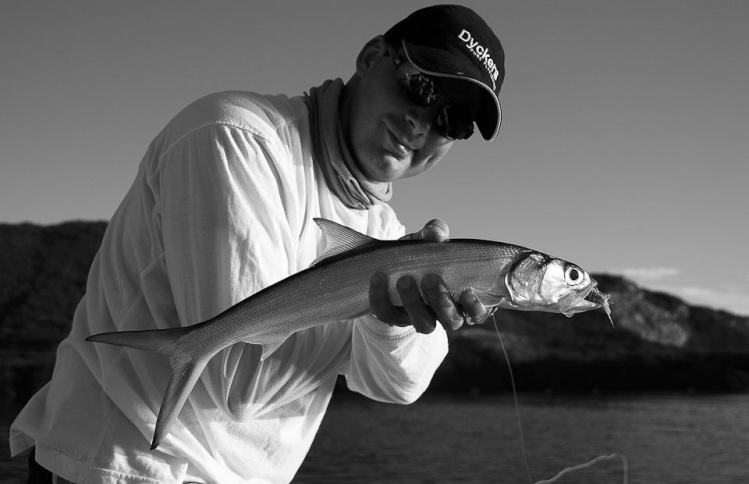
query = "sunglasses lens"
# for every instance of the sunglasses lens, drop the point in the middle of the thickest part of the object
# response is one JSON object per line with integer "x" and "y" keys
{"x": 422, "y": 91}
{"x": 451, "y": 128}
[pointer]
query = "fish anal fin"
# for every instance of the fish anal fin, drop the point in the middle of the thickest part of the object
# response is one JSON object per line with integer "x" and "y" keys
{"x": 270, "y": 347}
{"x": 269, "y": 343}
{"x": 340, "y": 239}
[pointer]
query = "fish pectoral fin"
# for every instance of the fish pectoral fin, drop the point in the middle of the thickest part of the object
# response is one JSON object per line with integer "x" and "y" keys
{"x": 340, "y": 239}
{"x": 489, "y": 300}
{"x": 507, "y": 304}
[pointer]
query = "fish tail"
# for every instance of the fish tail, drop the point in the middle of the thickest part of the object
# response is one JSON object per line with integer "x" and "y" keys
{"x": 186, "y": 367}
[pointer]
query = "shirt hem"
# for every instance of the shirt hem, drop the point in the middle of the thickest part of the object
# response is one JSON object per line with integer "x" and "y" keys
{"x": 66, "y": 467}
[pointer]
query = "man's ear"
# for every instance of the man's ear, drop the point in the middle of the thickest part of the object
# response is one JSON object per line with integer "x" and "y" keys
{"x": 371, "y": 53}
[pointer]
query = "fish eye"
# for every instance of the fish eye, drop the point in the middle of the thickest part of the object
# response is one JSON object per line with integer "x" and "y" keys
{"x": 573, "y": 275}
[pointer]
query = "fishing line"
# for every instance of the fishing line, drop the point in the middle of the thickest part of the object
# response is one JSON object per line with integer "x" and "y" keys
{"x": 615, "y": 455}
{"x": 515, "y": 397}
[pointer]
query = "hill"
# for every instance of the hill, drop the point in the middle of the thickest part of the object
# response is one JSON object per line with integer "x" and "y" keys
{"x": 43, "y": 276}
{"x": 659, "y": 343}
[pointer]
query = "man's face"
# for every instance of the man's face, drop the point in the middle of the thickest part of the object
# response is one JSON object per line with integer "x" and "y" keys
{"x": 392, "y": 137}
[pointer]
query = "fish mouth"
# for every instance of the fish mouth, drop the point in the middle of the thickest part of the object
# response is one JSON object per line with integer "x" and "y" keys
{"x": 588, "y": 299}
{"x": 596, "y": 296}
{"x": 591, "y": 298}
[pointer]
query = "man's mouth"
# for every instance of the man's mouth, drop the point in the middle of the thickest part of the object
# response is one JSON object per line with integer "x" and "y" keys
{"x": 395, "y": 146}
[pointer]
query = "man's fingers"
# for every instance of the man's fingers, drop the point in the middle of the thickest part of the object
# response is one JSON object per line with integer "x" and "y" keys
{"x": 440, "y": 301}
{"x": 421, "y": 316}
{"x": 379, "y": 302}
{"x": 434, "y": 231}
{"x": 474, "y": 311}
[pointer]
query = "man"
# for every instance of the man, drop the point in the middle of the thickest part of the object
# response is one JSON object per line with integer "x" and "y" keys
{"x": 222, "y": 207}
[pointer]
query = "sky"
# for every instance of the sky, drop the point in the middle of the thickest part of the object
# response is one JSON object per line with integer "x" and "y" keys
{"x": 623, "y": 146}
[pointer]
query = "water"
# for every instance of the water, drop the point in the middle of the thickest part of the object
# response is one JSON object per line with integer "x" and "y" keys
{"x": 667, "y": 439}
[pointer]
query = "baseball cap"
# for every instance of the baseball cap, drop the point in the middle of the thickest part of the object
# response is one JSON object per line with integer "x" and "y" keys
{"x": 452, "y": 41}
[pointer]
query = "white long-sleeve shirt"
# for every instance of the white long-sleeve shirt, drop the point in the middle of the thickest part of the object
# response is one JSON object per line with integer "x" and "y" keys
{"x": 222, "y": 207}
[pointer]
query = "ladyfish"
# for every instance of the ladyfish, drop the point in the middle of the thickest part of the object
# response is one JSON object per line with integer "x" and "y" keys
{"x": 336, "y": 287}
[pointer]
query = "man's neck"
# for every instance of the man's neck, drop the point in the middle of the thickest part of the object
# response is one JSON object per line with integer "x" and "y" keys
{"x": 344, "y": 110}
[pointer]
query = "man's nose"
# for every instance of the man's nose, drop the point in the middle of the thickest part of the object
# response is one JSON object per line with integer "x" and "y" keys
{"x": 420, "y": 120}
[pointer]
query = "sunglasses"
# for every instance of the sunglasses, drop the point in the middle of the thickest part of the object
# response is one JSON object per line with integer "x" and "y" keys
{"x": 422, "y": 90}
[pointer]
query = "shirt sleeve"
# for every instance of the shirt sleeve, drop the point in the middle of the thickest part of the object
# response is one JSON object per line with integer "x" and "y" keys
{"x": 225, "y": 231}
{"x": 393, "y": 364}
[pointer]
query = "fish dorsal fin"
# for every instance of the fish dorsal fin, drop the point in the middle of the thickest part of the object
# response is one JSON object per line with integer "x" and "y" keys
{"x": 339, "y": 239}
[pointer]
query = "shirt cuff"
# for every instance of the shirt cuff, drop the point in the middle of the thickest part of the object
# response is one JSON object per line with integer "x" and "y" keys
{"x": 382, "y": 330}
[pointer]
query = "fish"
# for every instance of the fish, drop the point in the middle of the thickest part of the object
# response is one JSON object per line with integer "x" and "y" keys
{"x": 336, "y": 288}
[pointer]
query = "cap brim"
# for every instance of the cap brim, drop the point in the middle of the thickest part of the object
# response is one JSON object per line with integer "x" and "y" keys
{"x": 440, "y": 63}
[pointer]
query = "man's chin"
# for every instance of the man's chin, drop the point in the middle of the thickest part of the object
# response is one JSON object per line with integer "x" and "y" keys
{"x": 385, "y": 169}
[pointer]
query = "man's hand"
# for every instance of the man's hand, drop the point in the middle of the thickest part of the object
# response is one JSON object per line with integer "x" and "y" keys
{"x": 440, "y": 306}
